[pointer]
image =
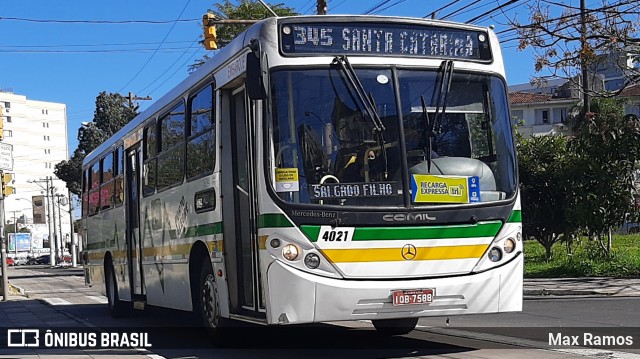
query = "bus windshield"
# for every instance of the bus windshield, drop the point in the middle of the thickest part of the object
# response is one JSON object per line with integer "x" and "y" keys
{"x": 328, "y": 150}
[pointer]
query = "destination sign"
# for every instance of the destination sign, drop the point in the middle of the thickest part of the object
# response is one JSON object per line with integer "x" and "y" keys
{"x": 384, "y": 39}
{"x": 353, "y": 190}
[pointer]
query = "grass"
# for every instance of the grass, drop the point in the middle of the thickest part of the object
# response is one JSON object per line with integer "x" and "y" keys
{"x": 587, "y": 260}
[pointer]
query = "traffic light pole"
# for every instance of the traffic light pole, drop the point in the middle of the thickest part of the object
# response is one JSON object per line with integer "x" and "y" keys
{"x": 3, "y": 252}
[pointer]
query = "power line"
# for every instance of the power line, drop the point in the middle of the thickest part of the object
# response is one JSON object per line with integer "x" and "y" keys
{"x": 434, "y": 12}
{"x": 169, "y": 67}
{"x": 398, "y": 2}
{"x": 375, "y": 7}
{"x": 155, "y": 52}
{"x": 112, "y": 51}
{"x": 460, "y": 9}
{"x": 93, "y": 45}
{"x": 109, "y": 22}
{"x": 474, "y": 8}
{"x": 492, "y": 10}
{"x": 179, "y": 67}
{"x": 569, "y": 16}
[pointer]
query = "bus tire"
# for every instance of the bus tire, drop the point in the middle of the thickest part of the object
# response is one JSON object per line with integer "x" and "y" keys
{"x": 395, "y": 326}
{"x": 208, "y": 304}
{"x": 117, "y": 308}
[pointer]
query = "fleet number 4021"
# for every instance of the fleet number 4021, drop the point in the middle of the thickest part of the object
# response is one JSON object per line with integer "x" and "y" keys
{"x": 328, "y": 234}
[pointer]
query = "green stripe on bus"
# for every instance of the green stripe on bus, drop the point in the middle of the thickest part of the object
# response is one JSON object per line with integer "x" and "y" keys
{"x": 273, "y": 220}
{"x": 204, "y": 229}
{"x": 516, "y": 216}
{"x": 483, "y": 229}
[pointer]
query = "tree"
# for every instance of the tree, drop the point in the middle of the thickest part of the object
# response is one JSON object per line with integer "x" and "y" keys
{"x": 543, "y": 164}
{"x": 239, "y": 10}
{"x": 112, "y": 113}
{"x": 561, "y": 48}
{"x": 606, "y": 149}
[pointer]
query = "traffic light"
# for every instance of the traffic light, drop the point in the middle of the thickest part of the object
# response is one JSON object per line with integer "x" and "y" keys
{"x": 210, "y": 35}
{"x": 7, "y": 179}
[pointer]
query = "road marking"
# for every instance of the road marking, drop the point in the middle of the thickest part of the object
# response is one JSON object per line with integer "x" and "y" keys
{"x": 45, "y": 291}
{"x": 56, "y": 301}
{"x": 99, "y": 299}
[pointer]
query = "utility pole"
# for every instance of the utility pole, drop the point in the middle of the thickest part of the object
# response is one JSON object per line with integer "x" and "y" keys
{"x": 3, "y": 253}
{"x": 583, "y": 56}
{"x": 133, "y": 97}
{"x": 74, "y": 251}
{"x": 322, "y": 7}
{"x": 61, "y": 246}
{"x": 55, "y": 226}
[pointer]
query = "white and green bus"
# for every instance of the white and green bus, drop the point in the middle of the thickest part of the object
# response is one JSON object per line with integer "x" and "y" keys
{"x": 317, "y": 168}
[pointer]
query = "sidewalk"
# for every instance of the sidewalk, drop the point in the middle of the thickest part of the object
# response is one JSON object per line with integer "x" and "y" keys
{"x": 589, "y": 286}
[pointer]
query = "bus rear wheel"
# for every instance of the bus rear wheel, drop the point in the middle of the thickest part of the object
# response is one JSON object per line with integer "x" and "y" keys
{"x": 117, "y": 308}
{"x": 395, "y": 326}
{"x": 208, "y": 305}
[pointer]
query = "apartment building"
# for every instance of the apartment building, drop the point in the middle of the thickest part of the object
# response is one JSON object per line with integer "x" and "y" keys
{"x": 37, "y": 130}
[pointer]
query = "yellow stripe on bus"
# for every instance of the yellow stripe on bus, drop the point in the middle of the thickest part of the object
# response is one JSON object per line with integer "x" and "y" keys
{"x": 396, "y": 254}
{"x": 166, "y": 250}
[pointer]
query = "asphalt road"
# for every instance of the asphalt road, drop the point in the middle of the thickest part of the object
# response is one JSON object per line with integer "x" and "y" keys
{"x": 504, "y": 335}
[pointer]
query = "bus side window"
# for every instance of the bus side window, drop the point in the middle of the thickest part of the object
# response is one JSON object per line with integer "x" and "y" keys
{"x": 201, "y": 138}
{"x": 171, "y": 157}
{"x": 119, "y": 172}
{"x": 85, "y": 193}
{"x": 150, "y": 151}
{"x": 106, "y": 188}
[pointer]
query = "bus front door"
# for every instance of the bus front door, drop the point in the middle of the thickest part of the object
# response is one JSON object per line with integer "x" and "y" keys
{"x": 134, "y": 245}
{"x": 241, "y": 233}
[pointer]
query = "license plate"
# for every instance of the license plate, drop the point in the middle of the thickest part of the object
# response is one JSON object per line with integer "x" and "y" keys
{"x": 414, "y": 296}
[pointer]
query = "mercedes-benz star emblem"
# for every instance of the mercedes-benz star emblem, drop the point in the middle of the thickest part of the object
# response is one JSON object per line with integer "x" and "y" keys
{"x": 409, "y": 252}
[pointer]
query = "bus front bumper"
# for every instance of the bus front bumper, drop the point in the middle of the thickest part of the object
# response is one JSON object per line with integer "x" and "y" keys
{"x": 300, "y": 297}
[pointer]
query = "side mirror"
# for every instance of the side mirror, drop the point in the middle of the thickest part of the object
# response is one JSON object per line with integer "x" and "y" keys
{"x": 254, "y": 83}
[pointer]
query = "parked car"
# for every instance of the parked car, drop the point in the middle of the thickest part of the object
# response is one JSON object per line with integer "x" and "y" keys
{"x": 20, "y": 261}
{"x": 43, "y": 259}
{"x": 10, "y": 261}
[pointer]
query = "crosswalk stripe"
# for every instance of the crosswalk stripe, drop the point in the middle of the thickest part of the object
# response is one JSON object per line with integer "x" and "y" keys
{"x": 99, "y": 299}
{"x": 56, "y": 301}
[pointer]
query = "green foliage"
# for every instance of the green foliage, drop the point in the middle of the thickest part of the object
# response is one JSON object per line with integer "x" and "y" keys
{"x": 586, "y": 260}
{"x": 583, "y": 183}
{"x": 243, "y": 10}
{"x": 545, "y": 176}
{"x": 605, "y": 150}
{"x": 239, "y": 10}
{"x": 112, "y": 113}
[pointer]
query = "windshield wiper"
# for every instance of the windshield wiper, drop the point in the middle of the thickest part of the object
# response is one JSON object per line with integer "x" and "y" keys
{"x": 433, "y": 127}
{"x": 446, "y": 71}
{"x": 368, "y": 104}
{"x": 428, "y": 132}
{"x": 360, "y": 92}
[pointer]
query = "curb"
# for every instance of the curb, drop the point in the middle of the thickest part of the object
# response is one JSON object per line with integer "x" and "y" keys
{"x": 20, "y": 291}
{"x": 560, "y": 292}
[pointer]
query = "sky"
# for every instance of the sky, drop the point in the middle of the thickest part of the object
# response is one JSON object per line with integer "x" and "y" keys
{"x": 70, "y": 51}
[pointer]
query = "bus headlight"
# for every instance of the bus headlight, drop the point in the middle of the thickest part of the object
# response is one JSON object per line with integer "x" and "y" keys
{"x": 509, "y": 245}
{"x": 275, "y": 243}
{"x": 290, "y": 252}
{"x": 495, "y": 254}
{"x": 312, "y": 260}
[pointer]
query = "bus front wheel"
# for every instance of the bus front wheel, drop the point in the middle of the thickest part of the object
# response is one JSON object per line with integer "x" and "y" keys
{"x": 208, "y": 303}
{"x": 117, "y": 308}
{"x": 395, "y": 326}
